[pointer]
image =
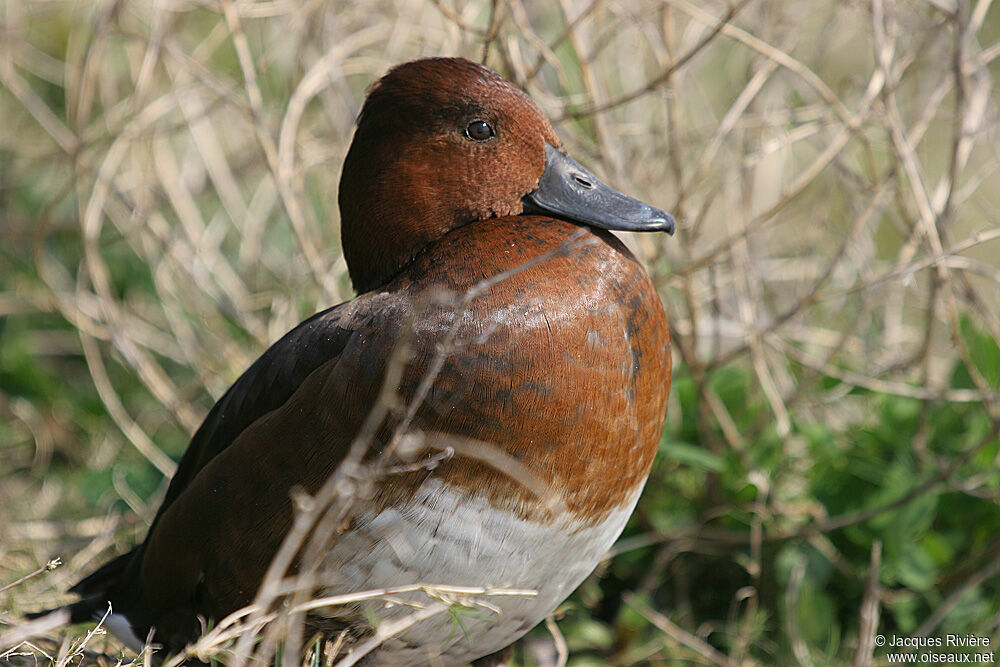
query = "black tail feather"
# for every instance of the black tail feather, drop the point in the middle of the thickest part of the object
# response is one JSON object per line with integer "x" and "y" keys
{"x": 103, "y": 578}
{"x": 82, "y": 611}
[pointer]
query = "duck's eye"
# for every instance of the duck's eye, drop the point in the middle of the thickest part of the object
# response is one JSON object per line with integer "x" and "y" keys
{"x": 479, "y": 130}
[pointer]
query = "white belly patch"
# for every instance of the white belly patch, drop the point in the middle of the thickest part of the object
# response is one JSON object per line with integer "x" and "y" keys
{"x": 448, "y": 537}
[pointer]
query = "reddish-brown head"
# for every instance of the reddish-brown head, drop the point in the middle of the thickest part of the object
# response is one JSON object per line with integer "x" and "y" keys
{"x": 441, "y": 142}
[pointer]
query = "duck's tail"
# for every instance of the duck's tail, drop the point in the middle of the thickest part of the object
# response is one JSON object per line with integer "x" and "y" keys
{"x": 94, "y": 590}
{"x": 79, "y": 612}
{"x": 94, "y": 604}
{"x": 103, "y": 578}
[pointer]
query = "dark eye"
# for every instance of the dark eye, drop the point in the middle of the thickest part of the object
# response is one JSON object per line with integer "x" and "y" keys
{"x": 479, "y": 130}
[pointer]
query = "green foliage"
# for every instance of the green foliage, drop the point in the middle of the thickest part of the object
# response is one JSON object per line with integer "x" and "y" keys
{"x": 809, "y": 586}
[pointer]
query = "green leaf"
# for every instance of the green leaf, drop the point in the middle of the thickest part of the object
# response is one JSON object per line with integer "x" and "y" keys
{"x": 692, "y": 455}
{"x": 984, "y": 351}
{"x": 916, "y": 569}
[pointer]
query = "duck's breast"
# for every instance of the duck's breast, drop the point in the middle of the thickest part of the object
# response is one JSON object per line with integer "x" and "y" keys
{"x": 551, "y": 391}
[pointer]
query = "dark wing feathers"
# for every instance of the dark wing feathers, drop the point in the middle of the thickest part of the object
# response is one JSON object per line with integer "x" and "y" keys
{"x": 265, "y": 386}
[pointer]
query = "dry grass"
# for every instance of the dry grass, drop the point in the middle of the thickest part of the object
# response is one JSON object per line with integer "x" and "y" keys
{"x": 168, "y": 175}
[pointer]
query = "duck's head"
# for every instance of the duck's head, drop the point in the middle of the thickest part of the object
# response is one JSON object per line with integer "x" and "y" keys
{"x": 443, "y": 142}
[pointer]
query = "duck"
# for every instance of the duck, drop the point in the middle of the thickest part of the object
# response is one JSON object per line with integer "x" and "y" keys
{"x": 531, "y": 331}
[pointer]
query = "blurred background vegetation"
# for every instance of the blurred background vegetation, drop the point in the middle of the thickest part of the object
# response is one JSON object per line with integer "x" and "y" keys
{"x": 829, "y": 470}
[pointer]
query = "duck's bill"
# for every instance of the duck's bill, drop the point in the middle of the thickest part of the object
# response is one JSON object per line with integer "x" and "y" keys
{"x": 567, "y": 190}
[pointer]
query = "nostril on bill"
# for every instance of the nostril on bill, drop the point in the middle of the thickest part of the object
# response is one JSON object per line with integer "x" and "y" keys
{"x": 583, "y": 181}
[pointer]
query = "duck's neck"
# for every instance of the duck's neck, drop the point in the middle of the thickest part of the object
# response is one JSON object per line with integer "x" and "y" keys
{"x": 392, "y": 205}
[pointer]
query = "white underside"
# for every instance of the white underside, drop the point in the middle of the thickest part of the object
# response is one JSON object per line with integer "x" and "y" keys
{"x": 119, "y": 626}
{"x": 446, "y": 537}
